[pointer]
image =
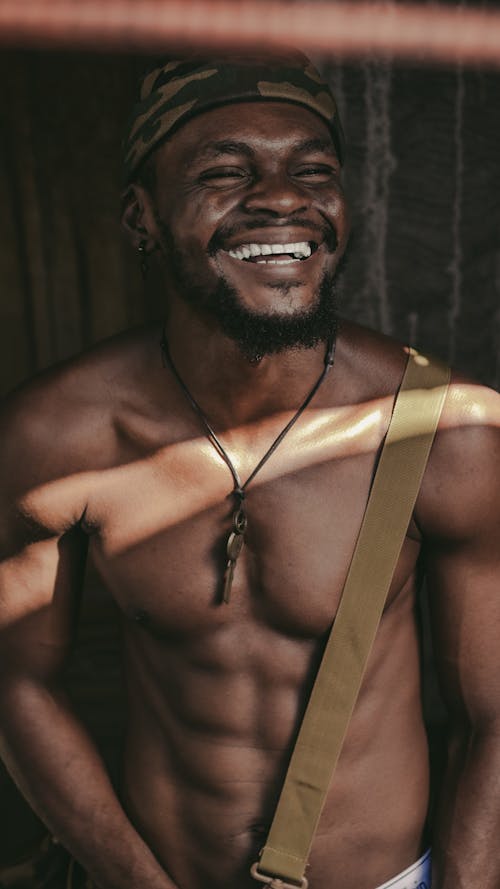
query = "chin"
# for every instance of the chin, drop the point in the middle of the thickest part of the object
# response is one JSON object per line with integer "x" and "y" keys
{"x": 282, "y": 300}
{"x": 288, "y": 321}
{"x": 263, "y": 313}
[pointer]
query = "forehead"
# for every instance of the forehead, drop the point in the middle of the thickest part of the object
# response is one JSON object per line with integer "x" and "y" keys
{"x": 259, "y": 126}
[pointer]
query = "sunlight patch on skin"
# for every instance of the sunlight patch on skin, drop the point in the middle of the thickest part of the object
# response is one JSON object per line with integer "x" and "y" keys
{"x": 134, "y": 491}
{"x": 467, "y": 408}
{"x": 372, "y": 423}
{"x": 341, "y": 426}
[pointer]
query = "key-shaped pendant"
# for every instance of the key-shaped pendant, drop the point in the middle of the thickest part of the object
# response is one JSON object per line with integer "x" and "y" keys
{"x": 233, "y": 549}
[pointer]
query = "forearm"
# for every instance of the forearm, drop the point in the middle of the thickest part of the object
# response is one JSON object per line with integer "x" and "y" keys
{"x": 59, "y": 770}
{"x": 468, "y": 825}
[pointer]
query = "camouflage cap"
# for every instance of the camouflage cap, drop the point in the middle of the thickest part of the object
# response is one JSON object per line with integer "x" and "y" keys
{"x": 173, "y": 92}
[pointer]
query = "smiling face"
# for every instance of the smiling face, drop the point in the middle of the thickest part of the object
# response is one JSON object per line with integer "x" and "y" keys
{"x": 251, "y": 221}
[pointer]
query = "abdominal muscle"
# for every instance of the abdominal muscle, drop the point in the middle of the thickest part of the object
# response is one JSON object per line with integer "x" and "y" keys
{"x": 211, "y": 728}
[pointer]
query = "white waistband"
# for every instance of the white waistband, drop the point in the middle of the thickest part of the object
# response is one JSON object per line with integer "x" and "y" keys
{"x": 417, "y": 876}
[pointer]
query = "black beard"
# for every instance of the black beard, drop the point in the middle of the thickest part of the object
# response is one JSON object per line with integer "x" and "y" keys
{"x": 256, "y": 333}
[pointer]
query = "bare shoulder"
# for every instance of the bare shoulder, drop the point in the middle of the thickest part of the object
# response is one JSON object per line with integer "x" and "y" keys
{"x": 460, "y": 496}
{"x": 61, "y": 424}
{"x": 372, "y": 364}
{"x": 460, "y": 492}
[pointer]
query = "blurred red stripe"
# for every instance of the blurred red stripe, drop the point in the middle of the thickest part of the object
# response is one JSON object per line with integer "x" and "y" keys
{"x": 434, "y": 33}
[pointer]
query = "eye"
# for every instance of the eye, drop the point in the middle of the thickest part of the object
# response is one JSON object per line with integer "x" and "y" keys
{"x": 225, "y": 175}
{"x": 316, "y": 172}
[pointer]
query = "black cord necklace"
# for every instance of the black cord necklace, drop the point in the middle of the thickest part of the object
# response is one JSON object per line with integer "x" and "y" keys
{"x": 237, "y": 536}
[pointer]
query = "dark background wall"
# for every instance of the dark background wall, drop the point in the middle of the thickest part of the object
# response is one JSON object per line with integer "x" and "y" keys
{"x": 423, "y": 176}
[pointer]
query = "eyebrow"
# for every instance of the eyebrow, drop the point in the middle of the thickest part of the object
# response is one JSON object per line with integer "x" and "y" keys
{"x": 219, "y": 148}
{"x": 322, "y": 145}
{"x": 225, "y": 146}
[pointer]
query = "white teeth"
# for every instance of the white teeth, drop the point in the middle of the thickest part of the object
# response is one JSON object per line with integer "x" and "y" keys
{"x": 300, "y": 250}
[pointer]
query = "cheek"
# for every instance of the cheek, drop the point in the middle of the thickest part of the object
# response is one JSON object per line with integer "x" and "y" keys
{"x": 338, "y": 212}
{"x": 192, "y": 223}
{"x": 184, "y": 238}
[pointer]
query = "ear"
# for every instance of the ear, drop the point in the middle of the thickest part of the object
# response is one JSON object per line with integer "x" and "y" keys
{"x": 137, "y": 217}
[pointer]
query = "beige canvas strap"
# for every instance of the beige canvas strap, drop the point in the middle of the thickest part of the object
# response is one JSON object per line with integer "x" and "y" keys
{"x": 385, "y": 523}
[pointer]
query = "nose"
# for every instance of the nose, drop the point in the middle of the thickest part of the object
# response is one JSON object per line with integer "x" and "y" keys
{"x": 277, "y": 194}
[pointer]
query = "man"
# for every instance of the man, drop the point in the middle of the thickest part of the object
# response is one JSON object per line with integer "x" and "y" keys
{"x": 141, "y": 451}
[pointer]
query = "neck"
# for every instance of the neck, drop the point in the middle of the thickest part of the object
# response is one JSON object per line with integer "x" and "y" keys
{"x": 231, "y": 388}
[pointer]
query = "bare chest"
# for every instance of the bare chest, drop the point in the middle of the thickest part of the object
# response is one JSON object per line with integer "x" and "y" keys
{"x": 162, "y": 527}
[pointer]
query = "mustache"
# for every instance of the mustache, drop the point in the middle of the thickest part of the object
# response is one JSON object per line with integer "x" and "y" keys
{"x": 327, "y": 233}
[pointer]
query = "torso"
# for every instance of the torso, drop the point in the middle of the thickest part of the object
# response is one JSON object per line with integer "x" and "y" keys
{"x": 216, "y": 692}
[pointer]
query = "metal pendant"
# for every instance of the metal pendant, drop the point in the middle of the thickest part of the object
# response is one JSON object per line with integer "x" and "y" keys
{"x": 234, "y": 546}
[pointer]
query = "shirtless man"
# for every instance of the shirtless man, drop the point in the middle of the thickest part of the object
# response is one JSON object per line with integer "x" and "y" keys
{"x": 106, "y": 453}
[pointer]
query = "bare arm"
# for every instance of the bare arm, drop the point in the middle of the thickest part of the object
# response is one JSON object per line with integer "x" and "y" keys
{"x": 46, "y": 749}
{"x": 463, "y": 566}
